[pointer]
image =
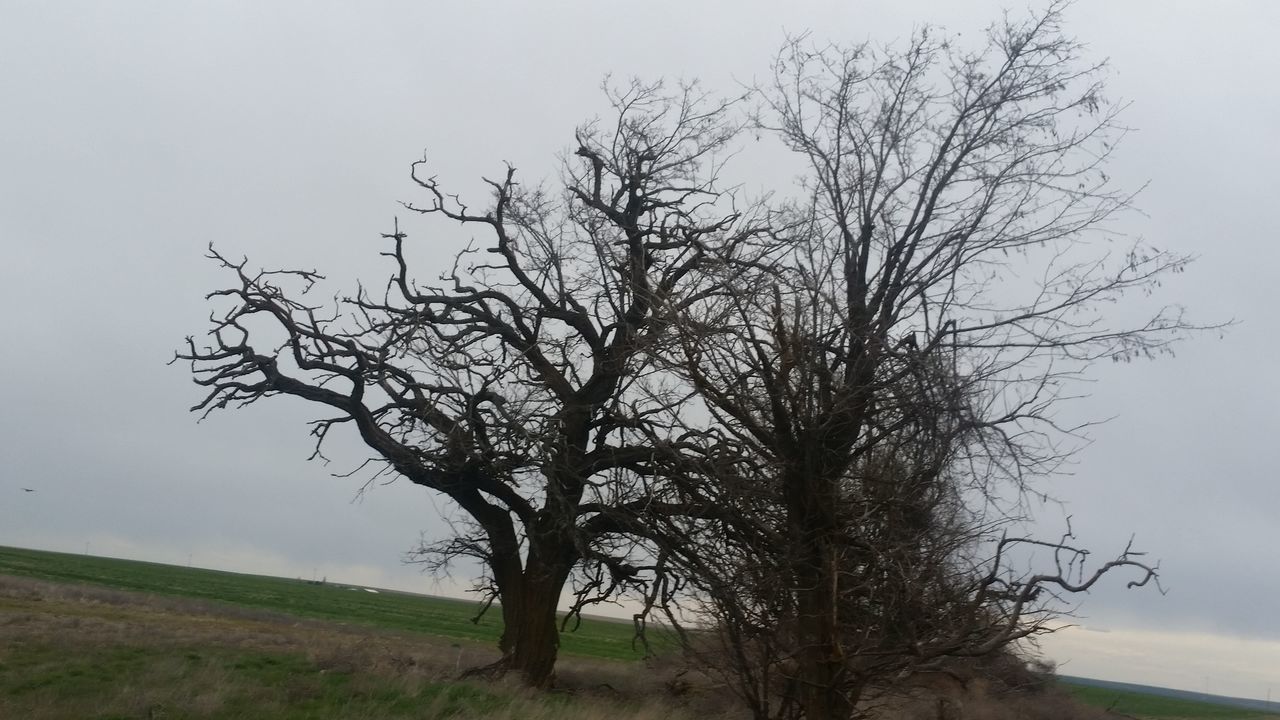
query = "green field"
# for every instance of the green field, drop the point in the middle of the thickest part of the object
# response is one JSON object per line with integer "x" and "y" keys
{"x": 63, "y": 654}
{"x": 1145, "y": 705}
{"x": 89, "y": 652}
{"x": 392, "y": 610}
{"x": 138, "y": 681}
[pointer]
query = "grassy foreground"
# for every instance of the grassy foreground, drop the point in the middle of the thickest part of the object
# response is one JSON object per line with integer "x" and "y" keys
{"x": 89, "y": 637}
{"x": 86, "y": 652}
{"x": 387, "y": 609}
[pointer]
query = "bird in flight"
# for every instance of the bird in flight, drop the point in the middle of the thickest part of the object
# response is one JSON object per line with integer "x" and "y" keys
{"x": 27, "y": 490}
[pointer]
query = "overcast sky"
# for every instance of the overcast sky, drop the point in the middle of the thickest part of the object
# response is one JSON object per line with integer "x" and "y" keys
{"x": 134, "y": 134}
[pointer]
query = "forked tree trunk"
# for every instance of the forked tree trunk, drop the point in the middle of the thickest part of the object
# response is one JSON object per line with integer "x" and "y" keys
{"x": 537, "y": 636}
{"x": 530, "y": 638}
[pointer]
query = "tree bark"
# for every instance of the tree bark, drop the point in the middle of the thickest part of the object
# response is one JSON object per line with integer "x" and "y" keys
{"x": 536, "y": 635}
{"x": 821, "y": 662}
{"x": 530, "y": 597}
{"x": 812, "y": 498}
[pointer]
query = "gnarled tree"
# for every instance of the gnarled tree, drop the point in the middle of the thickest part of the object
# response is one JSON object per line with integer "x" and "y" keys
{"x": 508, "y": 385}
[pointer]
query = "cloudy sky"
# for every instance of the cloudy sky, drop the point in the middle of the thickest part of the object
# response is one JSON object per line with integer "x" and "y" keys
{"x": 134, "y": 134}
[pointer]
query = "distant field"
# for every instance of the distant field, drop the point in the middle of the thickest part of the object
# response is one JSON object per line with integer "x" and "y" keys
{"x": 1144, "y": 705}
{"x": 397, "y": 611}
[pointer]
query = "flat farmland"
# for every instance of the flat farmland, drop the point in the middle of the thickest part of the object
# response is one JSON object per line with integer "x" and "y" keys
{"x": 1128, "y": 703}
{"x": 109, "y": 639}
{"x": 93, "y": 652}
{"x": 443, "y": 617}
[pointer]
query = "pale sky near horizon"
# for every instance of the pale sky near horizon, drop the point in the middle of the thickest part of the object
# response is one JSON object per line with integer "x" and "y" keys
{"x": 133, "y": 134}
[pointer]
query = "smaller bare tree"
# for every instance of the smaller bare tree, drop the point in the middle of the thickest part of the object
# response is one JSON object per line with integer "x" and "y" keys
{"x": 509, "y": 385}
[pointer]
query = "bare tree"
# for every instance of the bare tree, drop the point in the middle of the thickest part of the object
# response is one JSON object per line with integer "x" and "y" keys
{"x": 510, "y": 384}
{"x": 890, "y": 376}
{"x": 822, "y": 417}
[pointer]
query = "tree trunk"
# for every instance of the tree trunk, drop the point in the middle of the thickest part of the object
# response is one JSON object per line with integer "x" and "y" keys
{"x": 530, "y": 635}
{"x": 537, "y": 636}
{"x": 820, "y": 661}
{"x": 812, "y": 497}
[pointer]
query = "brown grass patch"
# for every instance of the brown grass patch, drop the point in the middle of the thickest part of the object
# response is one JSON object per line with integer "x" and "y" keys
{"x": 94, "y": 652}
{"x": 175, "y": 657}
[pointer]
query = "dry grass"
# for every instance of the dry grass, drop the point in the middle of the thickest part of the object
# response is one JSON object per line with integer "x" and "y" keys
{"x": 981, "y": 704}
{"x": 69, "y": 651}
{"x": 82, "y": 651}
